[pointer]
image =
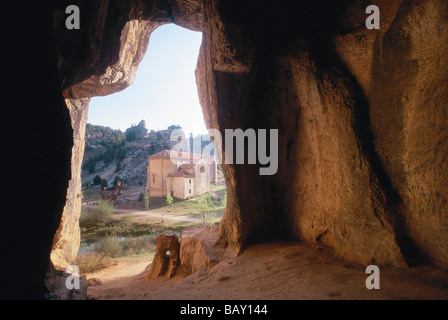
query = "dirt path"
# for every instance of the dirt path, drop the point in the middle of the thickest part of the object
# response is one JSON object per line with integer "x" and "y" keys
{"x": 118, "y": 278}
{"x": 158, "y": 215}
{"x": 287, "y": 271}
{"x": 146, "y": 215}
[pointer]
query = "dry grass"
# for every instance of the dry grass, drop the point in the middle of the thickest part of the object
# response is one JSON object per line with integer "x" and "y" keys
{"x": 92, "y": 261}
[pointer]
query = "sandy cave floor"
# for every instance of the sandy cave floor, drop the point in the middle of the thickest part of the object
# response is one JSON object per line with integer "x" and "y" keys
{"x": 273, "y": 271}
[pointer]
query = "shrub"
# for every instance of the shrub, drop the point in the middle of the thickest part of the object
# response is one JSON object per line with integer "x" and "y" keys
{"x": 141, "y": 196}
{"x": 99, "y": 215}
{"x": 138, "y": 245}
{"x": 91, "y": 168}
{"x": 91, "y": 262}
{"x": 104, "y": 184}
{"x": 128, "y": 219}
{"x": 110, "y": 246}
{"x": 115, "y": 247}
{"x": 97, "y": 180}
{"x": 169, "y": 199}
{"x": 223, "y": 199}
{"x": 116, "y": 180}
{"x": 146, "y": 200}
{"x": 118, "y": 168}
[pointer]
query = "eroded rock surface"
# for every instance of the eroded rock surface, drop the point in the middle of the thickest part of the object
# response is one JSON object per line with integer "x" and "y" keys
{"x": 199, "y": 249}
{"x": 361, "y": 114}
{"x": 166, "y": 258}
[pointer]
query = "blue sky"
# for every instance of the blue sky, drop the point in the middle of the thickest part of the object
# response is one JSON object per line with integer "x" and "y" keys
{"x": 164, "y": 91}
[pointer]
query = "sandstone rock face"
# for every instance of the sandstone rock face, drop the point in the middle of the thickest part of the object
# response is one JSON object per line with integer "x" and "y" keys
{"x": 139, "y": 130}
{"x": 361, "y": 115}
{"x": 164, "y": 264}
{"x": 361, "y": 128}
{"x": 199, "y": 249}
{"x": 402, "y": 70}
{"x": 67, "y": 238}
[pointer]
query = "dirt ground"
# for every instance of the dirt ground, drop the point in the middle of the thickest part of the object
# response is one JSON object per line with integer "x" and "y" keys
{"x": 273, "y": 271}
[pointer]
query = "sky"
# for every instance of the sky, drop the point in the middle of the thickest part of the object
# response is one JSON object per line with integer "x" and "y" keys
{"x": 164, "y": 92}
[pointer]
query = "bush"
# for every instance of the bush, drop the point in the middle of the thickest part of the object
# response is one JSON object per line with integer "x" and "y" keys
{"x": 138, "y": 245}
{"x": 96, "y": 216}
{"x": 115, "y": 247}
{"x": 128, "y": 219}
{"x": 146, "y": 200}
{"x": 223, "y": 199}
{"x": 116, "y": 180}
{"x": 91, "y": 168}
{"x": 91, "y": 262}
{"x": 141, "y": 196}
{"x": 130, "y": 136}
{"x": 104, "y": 184}
{"x": 110, "y": 246}
{"x": 169, "y": 199}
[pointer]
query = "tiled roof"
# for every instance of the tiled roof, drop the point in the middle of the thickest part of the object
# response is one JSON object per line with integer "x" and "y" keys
{"x": 161, "y": 154}
{"x": 180, "y": 174}
{"x": 178, "y": 154}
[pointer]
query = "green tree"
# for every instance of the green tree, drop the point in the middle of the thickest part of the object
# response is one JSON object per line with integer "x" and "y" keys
{"x": 146, "y": 200}
{"x": 169, "y": 199}
{"x": 89, "y": 190}
{"x": 223, "y": 199}
{"x": 104, "y": 184}
{"x": 208, "y": 200}
{"x": 97, "y": 180}
{"x": 118, "y": 168}
{"x": 116, "y": 180}
{"x": 91, "y": 167}
{"x": 141, "y": 196}
{"x": 130, "y": 136}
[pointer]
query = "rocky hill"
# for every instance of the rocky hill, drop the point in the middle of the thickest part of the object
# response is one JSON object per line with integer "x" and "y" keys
{"x": 110, "y": 153}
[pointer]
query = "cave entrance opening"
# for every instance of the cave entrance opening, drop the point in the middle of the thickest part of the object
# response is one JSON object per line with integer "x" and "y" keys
{"x": 127, "y": 136}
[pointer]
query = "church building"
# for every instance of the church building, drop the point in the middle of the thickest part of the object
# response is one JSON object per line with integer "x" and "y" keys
{"x": 181, "y": 174}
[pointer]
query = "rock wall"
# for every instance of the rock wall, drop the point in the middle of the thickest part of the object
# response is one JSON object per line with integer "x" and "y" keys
{"x": 362, "y": 123}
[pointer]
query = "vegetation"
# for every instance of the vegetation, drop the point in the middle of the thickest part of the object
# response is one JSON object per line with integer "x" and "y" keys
{"x": 208, "y": 201}
{"x": 147, "y": 200}
{"x": 106, "y": 236}
{"x": 169, "y": 199}
{"x": 97, "y": 180}
{"x": 92, "y": 261}
{"x": 97, "y": 216}
{"x": 107, "y": 136}
{"x": 104, "y": 184}
{"x": 112, "y": 140}
{"x": 89, "y": 190}
{"x": 116, "y": 180}
{"x": 130, "y": 136}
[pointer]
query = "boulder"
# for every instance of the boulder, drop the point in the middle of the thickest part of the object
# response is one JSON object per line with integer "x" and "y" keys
{"x": 166, "y": 258}
{"x": 200, "y": 249}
